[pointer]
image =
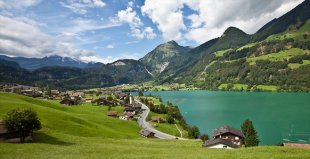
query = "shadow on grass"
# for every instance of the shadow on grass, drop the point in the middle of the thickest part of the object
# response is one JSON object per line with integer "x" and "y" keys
{"x": 47, "y": 139}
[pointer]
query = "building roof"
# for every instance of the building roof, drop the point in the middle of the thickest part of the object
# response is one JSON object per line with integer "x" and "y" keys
{"x": 156, "y": 118}
{"x": 112, "y": 113}
{"x": 227, "y": 129}
{"x": 146, "y": 133}
{"x": 212, "y": 142}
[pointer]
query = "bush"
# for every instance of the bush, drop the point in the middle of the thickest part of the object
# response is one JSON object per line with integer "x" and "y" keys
{"x": 193, "y": 132}
{"x": 204, "y": 137}
{"x": 22, "y": 121}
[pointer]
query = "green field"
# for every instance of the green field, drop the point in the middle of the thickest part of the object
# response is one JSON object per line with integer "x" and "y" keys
{"x": 280, "y": 56}
{"x": 235, "y": 86}
{"x": 221, "y": 52}
{"x": 267, "y": 87}
{"x": 297, "y": 65}
{"x": 86, "y": 132}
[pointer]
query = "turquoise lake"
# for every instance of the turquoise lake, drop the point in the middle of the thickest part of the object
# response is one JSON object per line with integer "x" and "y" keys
{"x": 277, "y": 117}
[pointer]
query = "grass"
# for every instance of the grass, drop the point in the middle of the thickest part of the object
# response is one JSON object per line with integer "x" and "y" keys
{"x": 221, "y": 52}
{"x": 235, "y": 86}
{"x": 280, "y": 56}
{"x": 247, "y": 46}
{"x": 295, "y": 34}
{"x": 267, "y": 87}
{"x": 86, "y": 132}
{"x": 297, "y": 65}
{"x": 167, "y": 128}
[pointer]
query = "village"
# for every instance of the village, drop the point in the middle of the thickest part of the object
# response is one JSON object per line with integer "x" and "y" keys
{"x": 132, "y": 109}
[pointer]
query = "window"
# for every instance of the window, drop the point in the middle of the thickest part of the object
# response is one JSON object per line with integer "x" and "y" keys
{"x": 236, "y": 138}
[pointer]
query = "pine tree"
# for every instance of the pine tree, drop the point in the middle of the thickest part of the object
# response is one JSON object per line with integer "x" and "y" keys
{"x": 251, "y": 137}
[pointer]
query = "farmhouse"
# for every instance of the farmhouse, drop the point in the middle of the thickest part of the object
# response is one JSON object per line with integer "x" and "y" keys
{"x": 112, "y": 114}
{"x": 147, "y": 133}
{"x": 121, "y": 95}
{"x": 88, "y": 100}
{"x": 225, "y": 137}
{"x": 68, "y": 101}
{"x": 157, "y": 119}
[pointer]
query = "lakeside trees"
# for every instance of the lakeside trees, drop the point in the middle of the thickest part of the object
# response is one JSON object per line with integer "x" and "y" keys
{"x": 251, "y": 137}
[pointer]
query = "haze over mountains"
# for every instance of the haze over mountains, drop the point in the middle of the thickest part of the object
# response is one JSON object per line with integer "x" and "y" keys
{"x": 276, "y": 55}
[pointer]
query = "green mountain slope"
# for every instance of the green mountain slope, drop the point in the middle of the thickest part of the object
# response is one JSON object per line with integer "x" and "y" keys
{"x": 86, "y": 132}
{"x": 298, "y": 16}
{"x": 279, "y": 61}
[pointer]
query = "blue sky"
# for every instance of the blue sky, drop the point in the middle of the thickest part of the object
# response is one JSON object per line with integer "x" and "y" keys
{"x": 107, "y": 30}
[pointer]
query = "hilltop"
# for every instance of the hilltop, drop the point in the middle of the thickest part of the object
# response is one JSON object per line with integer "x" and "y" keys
{"x": 86, "y": 132}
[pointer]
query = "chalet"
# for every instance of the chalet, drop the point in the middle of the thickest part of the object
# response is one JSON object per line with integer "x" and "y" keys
{"x": 76, "y": 95}
{"x": 121, "y": 95}
{"x": 68, "y": 101}
{"x": 27, "y": 92}
{"x": 129, "y": 109}
{"x": 54, "y": 92}
{"x": 112, "y": 114}
{"x": 147, "y": 133}
{"x": 157, "y": 119}
{"x": 225, "y": 137}
{"x": 127, "y": 116}
{"x": 88, "y": 100}
{"x": 103, "y": 101}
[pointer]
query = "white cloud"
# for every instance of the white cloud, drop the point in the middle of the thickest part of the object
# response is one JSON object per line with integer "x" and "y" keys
{"x": 212, "y": 17}
{"x": 19, "y": 38}
{"x": 110, "y": 46}
{"x": 81, "y": 6}
{"x": 81, "y": 25}
{"x": 108, "y": 59}
{"x": 17, "y": 4}
{"x": 130, "y": 17}
{"x": 167, "y": 15}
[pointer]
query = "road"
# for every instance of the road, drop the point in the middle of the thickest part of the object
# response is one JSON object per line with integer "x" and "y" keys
{"x": 145, "y": 125}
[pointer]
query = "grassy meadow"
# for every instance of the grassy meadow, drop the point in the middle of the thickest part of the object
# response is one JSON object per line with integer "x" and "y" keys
{"x": 86, "y": 132}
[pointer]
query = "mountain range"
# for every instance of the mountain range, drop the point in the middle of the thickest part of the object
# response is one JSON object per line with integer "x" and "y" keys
{"x": 276, "y": 56}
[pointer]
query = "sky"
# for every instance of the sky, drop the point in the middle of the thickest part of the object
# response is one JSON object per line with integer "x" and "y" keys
{"x": 108, "y": 30}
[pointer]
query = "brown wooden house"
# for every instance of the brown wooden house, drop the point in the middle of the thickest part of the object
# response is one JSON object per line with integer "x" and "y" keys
{"x": 225, "y": 137}
{"x": 112, "y": 114}
{"x": 147, "y": 133}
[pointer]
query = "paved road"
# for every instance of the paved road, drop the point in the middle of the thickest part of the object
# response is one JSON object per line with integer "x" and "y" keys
{"x": 145, "y": 125}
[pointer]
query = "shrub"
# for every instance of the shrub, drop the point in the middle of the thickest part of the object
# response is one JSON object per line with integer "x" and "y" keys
{"x": 22, "y": 121}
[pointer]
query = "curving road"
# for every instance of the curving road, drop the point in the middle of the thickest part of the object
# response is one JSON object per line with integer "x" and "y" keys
{"x": 145, "y": 125}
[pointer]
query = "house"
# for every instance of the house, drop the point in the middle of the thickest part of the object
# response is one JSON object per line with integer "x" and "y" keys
{"x": 225, "y": 137}
{"x": 121, "y": 95}
{"x": 76, "y": 94}
{"x": 88, "y": 100}
{"x": 147, "y": 133}
{"x": 112, "y": 114}
{"x": 129, "y": 109}
{"x": 68, "y": 101}
{"x": 54, "y": 92}
{"x": 127, "y": 116}
{"x": 157, "y": 119}
{"x": 103, "y": 101}
{"x": 27, "y": 92}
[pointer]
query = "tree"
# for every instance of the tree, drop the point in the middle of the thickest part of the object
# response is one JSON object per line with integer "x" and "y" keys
{"x": 204, "y": 137}
{"x": 193, "y": 132}
{"x": 251, "y": 137}
{"x": 170, "y": 119}
{"x": 109, "y": 98}
{"x": 140, "y": 94}
{"x": 23, "y": 121}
